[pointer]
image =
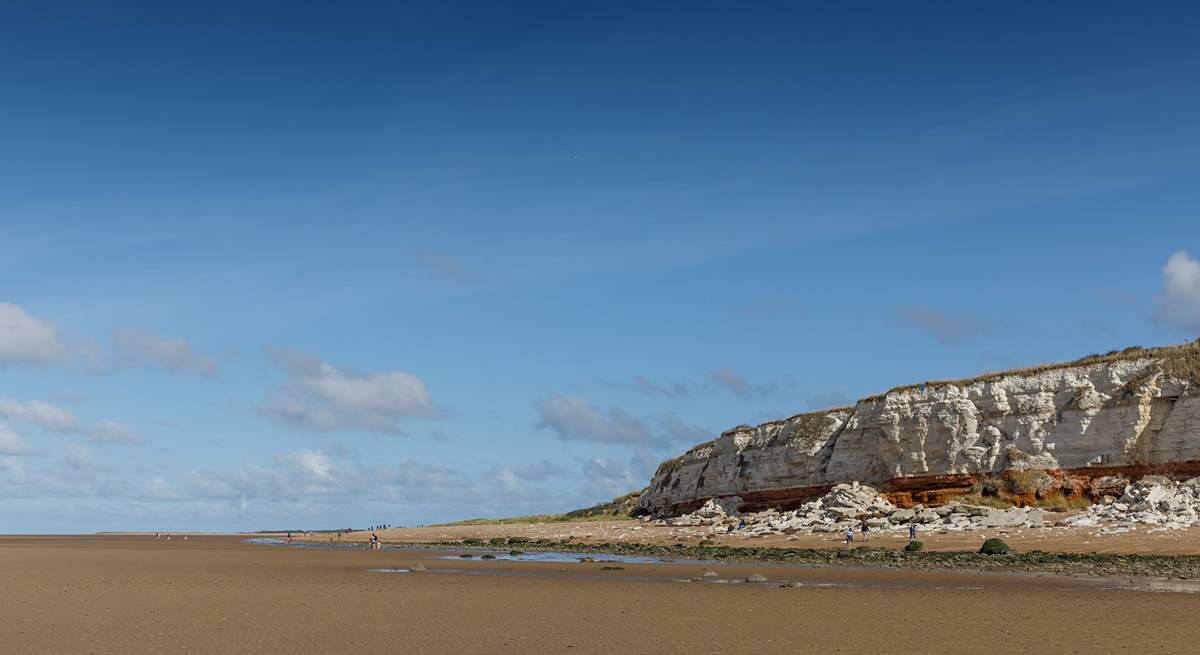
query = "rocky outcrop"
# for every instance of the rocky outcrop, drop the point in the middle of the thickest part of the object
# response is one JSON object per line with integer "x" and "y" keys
{"x": 1153, "y": 500}
{"x": 1127, "y": 413}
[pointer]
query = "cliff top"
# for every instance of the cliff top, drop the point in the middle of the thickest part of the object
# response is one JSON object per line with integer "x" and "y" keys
{"x": 1179, "y": 361}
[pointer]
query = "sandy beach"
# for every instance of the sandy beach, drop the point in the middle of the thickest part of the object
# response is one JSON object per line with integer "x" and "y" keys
{"x": 211, "y": 594}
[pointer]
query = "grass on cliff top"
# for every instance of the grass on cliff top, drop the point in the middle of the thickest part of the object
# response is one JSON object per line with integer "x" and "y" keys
{"x": 1178, "y": 361}
{"x": 617, "y": 509}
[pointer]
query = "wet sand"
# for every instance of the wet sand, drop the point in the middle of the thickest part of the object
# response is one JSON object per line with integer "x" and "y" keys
{"x": 132, "y": 594}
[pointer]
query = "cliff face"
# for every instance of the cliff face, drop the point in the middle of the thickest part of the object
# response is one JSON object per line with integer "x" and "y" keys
{"x": 1132, "y": 412}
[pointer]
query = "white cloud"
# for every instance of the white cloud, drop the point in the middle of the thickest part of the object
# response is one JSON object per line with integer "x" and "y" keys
{"x": 27, "y": 340}
{"x": 138, "y": 348}
{"x": 322, "y": 397}
{"x": 11, "y": 443}
{"x": 1181, "y": 281}
{"x": 55, "y": 419}
{"x": 310, "y": 464}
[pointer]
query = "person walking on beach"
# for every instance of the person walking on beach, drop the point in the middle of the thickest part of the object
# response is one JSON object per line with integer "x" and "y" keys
{"x": 865, "y": 529}
{"x": 849, "y": 535}
{"x": 912, "y": 530}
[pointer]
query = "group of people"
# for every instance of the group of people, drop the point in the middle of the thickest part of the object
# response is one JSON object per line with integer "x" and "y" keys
{"x": 865, "y": 528}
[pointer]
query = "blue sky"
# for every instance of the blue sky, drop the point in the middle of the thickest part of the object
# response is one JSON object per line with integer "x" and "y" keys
{"x": 281, "y": 265}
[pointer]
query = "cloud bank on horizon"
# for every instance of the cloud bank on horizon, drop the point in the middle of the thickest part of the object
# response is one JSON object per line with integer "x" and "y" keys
{"x": 464, "y": 260}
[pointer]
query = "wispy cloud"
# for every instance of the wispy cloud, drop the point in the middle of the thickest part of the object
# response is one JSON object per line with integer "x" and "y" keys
{"x": 828, "y": 400}
{"x": 739, "y": 386}
{"x": 56, "y": 419}
{"x": 77, "y": 457}
{"x": 308, "y": 475}
{"x": 1180, "y": 306}
{"x": 607, "y": 478}
{"x": 445, "y": 267}
{"x": 947, "y": 328}
{"x": 27, "y": 340}
{"x": 646, "y": 387}
{"x": 539, "y": 471}
{"x": 577, "y": 419}
{"x": 321, "y": 397}
{"x": 672, "y": 428}
{"x": 11, "y": 442}
{"x": 139, "y": 348}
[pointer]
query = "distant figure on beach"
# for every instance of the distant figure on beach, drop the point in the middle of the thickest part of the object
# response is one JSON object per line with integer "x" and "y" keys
{"x": 912, "y": 530}
{"x": 289, "y": 537}
{"x": 865, "y": 529}
{"x": 849, "y": 535}
{"x": 374, "y": 541}
{"x": 156, "y": 535}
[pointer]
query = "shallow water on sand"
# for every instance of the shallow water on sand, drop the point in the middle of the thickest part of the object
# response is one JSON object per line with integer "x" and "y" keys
{"x": 555, "y": 557}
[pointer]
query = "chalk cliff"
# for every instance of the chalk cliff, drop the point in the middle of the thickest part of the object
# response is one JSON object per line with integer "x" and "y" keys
{"x": 1128, "y": 413}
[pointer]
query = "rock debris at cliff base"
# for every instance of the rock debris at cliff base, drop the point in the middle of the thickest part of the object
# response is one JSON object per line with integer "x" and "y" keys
{"x": 1154, "y": 500}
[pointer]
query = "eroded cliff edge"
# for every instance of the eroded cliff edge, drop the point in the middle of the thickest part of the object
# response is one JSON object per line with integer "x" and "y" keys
{"x": 1129, "y": 413}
